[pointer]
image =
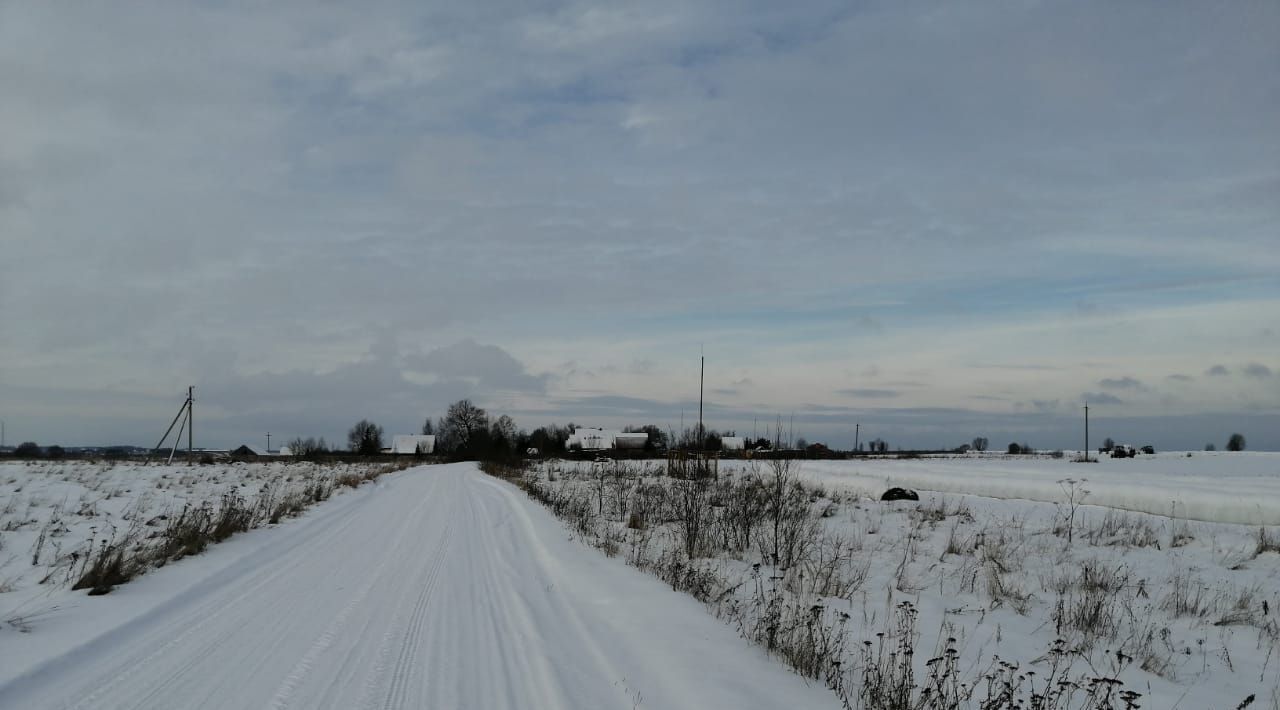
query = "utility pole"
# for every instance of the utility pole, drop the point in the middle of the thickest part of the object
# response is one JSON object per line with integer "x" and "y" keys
{"x": 191, "y": 423}
{"x": 268, "y": 442}
{"x": 702, "y": 436}
{"x": 1086, "y": 432}
{"x": 857, "y": 430}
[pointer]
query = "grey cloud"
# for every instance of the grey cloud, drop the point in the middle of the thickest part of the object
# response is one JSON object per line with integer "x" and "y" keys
{"x": 1257, "y": 370}
{"x": 1100, "y": 398}
{"x": 870, "y": 323}
{"x": 867, "y": 393}
{"x": 489, "y": 366}
{"x": 1217, "y": 371}
{"x": 1180, "y": 377}
{"x": 1046, "y": 405}
{"x": 450, "y": 171}
{"x": 1014, "y": 366}
{"x": 1122, "y": 383}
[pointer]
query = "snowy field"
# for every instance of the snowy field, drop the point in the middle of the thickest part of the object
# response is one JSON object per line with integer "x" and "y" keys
{"x": 1220, "y": 487}
{"x": 56, "y": 516}
{"x": 1191, "y": 606}
{"x": 442, "y": 587}
{"x": 435, "y": 587}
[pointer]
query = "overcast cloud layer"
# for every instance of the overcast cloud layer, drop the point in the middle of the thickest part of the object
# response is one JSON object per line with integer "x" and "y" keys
{"x": 937, "y": 219}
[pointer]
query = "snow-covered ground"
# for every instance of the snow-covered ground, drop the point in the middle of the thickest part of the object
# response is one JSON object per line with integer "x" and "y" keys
{"x": 443, "y": 587}
{"x": 52, "y": 514}
{"x": 1193, "y": 605}
{"x": 1225, "y": 487}
{"x": 436, "y": 587}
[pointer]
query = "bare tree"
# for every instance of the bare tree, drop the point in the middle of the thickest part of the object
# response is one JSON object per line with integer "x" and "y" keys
{"x": 503, "y": 432}
{"x": 461, "y": 424}
{"x": 308, "y": 447}
{"x": 1236, "y": 442}
{"x": 365, "y": 438}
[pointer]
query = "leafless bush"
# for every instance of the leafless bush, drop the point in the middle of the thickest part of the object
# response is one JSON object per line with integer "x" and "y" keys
{"x": 647, "y": 504}
{"x": 1092, "y": 603}
{"x": 941, "y": 508}
{"x": 1124, "y": 529}
{"x": 691, "y": 503}
{"x": 1268, "y": 541}
{"x": 1187, "y": 597}
{"x": 831, "y": 571}
{"x": 742, "y": 506}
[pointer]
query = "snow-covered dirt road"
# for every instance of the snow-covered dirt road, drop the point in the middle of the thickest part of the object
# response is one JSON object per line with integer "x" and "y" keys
{"x": 439, "y": 587}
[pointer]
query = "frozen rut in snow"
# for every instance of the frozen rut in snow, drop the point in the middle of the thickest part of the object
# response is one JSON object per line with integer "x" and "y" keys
{"x": 441, "y": 588}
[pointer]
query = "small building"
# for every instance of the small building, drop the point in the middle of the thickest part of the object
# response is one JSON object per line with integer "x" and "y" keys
{"x": 250, "y": 452}
{"x": 732, "y": 443}
{"x": 411, "y": 444}
{"x": 589, "y": 439}
{"x": 630, "y": 440}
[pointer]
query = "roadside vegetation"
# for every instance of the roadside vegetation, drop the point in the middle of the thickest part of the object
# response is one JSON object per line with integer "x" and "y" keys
{"x": 96, "y": 525}
{"x": 952, "y": 602}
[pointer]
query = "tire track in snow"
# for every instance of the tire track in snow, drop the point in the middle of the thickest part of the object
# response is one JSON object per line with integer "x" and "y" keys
{"x": 403, "y": 672}
{"x": 289, "y": 686}
{"x": 199, "y": 619}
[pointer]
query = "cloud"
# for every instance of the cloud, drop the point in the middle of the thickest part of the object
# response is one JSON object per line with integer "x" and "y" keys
{"x": 1122, "y": 383}
{"x": 1100, "y": 398}
{"x": 1180, "y": 377}
{"x": 869, "y": 323}
{"x": 1217, "y": 371}
{"x": 604, "y": 185}
{"x": 1257, "y": 370}
{"x": 867, "y": 393}
{"x": 1046, "y": 405}
{"x": 488, "y": 366}
{"x": 1016, "y": 366}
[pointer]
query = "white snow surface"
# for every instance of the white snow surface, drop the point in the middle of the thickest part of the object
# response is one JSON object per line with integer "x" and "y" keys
{"x": 1222, "y": 487}
{"x": 437, "y": 587}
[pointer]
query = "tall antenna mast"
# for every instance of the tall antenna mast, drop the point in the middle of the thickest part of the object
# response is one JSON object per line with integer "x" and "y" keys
{"x": 702, "y": 435}
{"x": 1086, "y": 431}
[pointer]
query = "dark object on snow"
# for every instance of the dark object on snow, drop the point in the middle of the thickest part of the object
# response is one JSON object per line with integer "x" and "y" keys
{"x": 1148, "y": 449}
{"x": 900, "y": 494}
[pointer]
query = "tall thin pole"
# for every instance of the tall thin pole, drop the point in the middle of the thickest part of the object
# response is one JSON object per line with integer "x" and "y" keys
{"x": 702, "y": 437}
{"x": 857, "y": 430}
{"x": 268, "y": 442}
{"x": 1086, "y": 431}
{"x": 191, "y": 423}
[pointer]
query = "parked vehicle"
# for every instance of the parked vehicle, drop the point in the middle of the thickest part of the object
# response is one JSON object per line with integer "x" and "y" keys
{"x": 1148, "y": 449}
{"x": 1120, "y": 451}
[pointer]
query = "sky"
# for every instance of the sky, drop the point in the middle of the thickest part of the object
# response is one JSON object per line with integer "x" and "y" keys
{"x": 931, "y": 220}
